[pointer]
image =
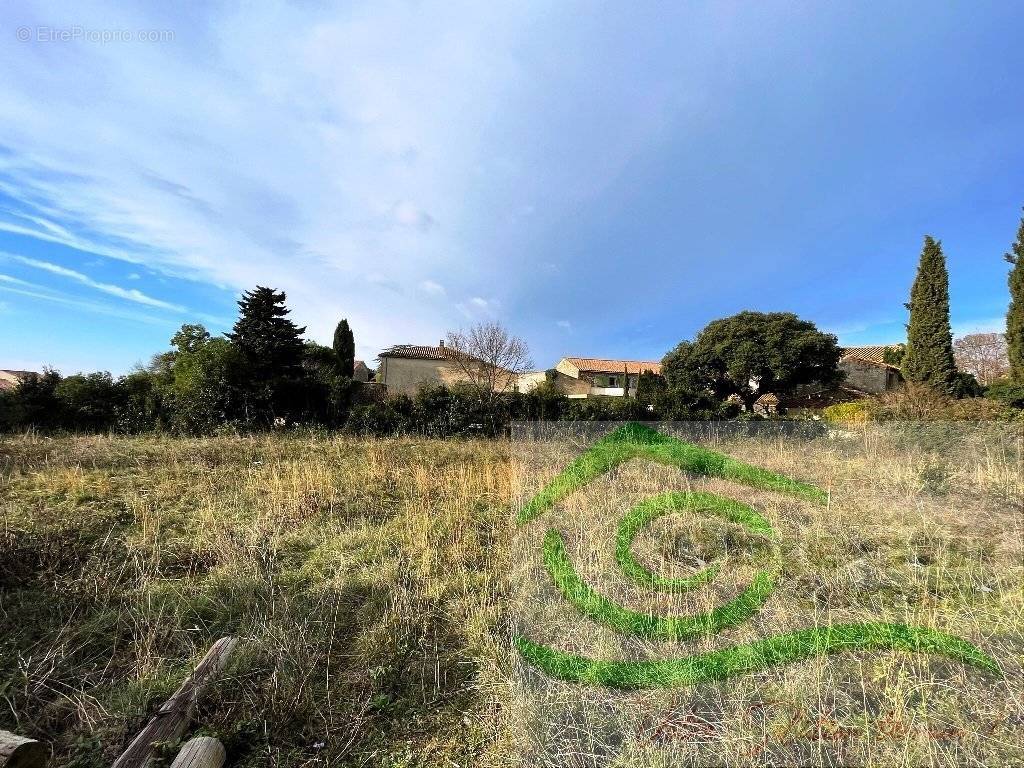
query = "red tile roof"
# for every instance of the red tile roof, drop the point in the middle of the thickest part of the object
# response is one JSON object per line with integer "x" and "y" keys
{"x": 419, "y": 352}
{"x": 602, "y": 365}
{"x": 874, "y": 354}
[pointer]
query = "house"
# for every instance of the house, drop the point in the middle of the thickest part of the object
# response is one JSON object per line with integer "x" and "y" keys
{"x": 578, "y": 377}
{"x": 361, "y": 372}
{"x": 766, "y": 405}
{"x": 866, "y": 370}
{"x": 405, "y": 368}
{"x": 11, "y": 379}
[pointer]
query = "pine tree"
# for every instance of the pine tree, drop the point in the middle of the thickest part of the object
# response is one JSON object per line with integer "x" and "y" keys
{"x": 270, "y": 342}
{"x": 1015, "y": 315}
{"x": 345, "y": 349}
{"x": 929, "y": 355}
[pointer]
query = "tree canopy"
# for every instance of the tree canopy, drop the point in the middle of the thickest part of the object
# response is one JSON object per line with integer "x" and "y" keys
{"x": 929, "y": 355}
{"x": 1015, "y": 315}
{"x": 752, "y": 353}
{"x": 270, "y": 342}
{"x": 345, "y": 348}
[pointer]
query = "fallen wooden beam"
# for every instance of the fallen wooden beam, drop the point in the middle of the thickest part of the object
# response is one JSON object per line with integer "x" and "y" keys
{"x": 19, "y": 752}
{"x": 201, "y": 752}
{"x": 171, "y": 721}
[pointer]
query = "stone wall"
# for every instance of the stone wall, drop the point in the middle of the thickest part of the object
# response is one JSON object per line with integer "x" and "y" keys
{"x": 406, "y": 375}
{"x": 866, "y": 377}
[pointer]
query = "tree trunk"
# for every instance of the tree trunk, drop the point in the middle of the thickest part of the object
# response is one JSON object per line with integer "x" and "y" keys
{"x": 172, "y": 719}
{"x": 19, "y": 752}
{"x": 200, "y": 752}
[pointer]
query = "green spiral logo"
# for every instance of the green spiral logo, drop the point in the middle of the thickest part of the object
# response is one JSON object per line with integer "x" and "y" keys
{"x": 636, "y": 440}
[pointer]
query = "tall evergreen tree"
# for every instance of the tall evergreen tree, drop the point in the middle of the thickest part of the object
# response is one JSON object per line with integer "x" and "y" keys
{"x": 929, "y": 355}
{"x": 345, "y": 348}
{"x": 1015, "y": 315}
{"x": 270, "y": 342}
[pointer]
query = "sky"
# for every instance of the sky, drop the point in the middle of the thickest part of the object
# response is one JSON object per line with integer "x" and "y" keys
{"x": 601, "y": 178}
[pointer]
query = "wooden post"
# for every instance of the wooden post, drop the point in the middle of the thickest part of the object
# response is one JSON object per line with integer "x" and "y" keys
{"x": 200, "y": 752}
{"x": 19, "y": 752}
{"x": 172, "y": 719}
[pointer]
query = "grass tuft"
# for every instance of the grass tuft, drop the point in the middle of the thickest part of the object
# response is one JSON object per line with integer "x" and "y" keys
{"x": 638, "y": 440}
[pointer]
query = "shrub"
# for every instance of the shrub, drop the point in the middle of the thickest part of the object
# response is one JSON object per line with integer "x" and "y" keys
{"x": 920, "y": 402}
{"x": 854, "y": 411}
{"x": 33, "y": 404}
{"x": 376, "y": 419}
{"x": 1007, "y": 392}
{"x": 87, "y": 402}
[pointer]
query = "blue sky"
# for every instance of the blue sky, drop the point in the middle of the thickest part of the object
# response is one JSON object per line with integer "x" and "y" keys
{"x": 603, "y": 179}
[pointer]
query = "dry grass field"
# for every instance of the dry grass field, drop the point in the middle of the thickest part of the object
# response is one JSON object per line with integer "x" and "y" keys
{"x": 377, "y": 586}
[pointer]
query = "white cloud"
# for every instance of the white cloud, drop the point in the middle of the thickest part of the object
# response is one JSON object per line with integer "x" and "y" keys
{"x": 41, "y": 293}
{"x": 283, "y": 145}
{"x": 433, "y": 288}
{"x": 134, "y": 276}
{"x": 129, "y": 294}
{"x": 11, "y": 280}
{"x": 480, "y": 303}
{"x": 564, "y": 325}
{"x": 348, "y": 156}
{"x": 409, "y": 214}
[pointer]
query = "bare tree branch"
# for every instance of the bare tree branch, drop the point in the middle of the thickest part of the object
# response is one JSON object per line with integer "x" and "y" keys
{"x": 982, "y": 354}
{"x": 490, "y": 358}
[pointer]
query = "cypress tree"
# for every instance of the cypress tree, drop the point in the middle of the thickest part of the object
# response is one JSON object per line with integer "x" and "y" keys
{"x": 1015, "y": 315}
{"x": 270, "y": 342}
{"x": 345, "y": 349}
{"x": 929, "y": 355}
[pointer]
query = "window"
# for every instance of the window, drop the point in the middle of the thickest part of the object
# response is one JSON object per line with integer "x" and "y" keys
{"x": 613, "y": 381}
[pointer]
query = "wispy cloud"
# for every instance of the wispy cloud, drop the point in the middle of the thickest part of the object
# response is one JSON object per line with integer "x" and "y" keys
{"x": 432, "y": 288}
{"x": 41, "y": 293}
{"x": 408, "y": 214}
{"x": 11, "y": 280}
{"x": 565, "y": 325}
{"x": 128, "y": 294}
{"x": 411, "y": 166}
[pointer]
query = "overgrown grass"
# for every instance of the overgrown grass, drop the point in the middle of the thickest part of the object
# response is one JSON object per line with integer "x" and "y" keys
{"x": 727, "y": 662}
{"x": 635, "y": 440}
{"x": 751, "y": 657}
{"x": 651, "y": 509}
{"x": 377, "y": 586}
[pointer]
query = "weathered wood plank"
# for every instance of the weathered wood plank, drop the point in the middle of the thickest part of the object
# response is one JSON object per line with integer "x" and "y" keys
{"x": 201, "y": 752}
{"x": 20, "y": 752}
{"x": 172, "y": 719}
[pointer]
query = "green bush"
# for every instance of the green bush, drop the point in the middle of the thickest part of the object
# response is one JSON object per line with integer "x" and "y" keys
{"x": 854, "y": 411}
{"x": 1007, "y": 392}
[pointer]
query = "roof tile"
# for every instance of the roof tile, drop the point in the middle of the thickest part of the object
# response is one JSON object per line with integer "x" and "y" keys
{"x": 602, "y": 365}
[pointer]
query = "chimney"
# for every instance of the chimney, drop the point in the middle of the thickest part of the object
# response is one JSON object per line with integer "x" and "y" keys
{"x": 440, "y": 343}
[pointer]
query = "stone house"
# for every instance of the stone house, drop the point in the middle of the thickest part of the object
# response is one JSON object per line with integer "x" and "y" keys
{"x": 406, "y": 368}
{"x": 360, "y": 371}
{"x": 866, "y": 370}
{"x": 11, "y": 379}
{"x": 579, "y": 377}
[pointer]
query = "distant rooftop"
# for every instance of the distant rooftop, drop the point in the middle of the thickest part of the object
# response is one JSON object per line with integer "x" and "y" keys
{"x": 10, "y": 379}
{"x": 874, "y": 354}
{"x": 604, "y": 365}
{"x": 421, "y": 352}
